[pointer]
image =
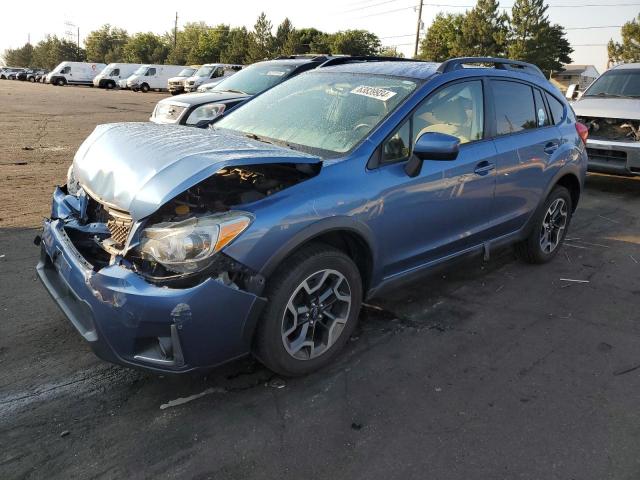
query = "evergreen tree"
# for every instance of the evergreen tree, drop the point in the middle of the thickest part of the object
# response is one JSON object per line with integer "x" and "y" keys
{"x": 443, "y": 38}
{"x": 533, "y": 38}
{"x": 629, "y": 49}
{"x": 261, "y": 40}
{"x": 283, "y": 34}
{"x": 484, "y": 30}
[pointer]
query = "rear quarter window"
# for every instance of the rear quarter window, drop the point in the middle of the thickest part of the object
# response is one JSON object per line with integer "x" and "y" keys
{"x": 557, "y": 109}
{"x": 514, "y": 107}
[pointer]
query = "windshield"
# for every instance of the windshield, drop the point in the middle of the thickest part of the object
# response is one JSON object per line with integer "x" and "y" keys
{"x": 331, "y": 111}
{"x": 255, "y": 79}
{"x": 205, "y": 71}
{"x": 186, "y": 72}
{"x": 616, "y": 83}
{"x": 142, "y": 70}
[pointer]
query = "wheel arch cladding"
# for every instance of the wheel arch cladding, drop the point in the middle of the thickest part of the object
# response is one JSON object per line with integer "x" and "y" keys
{"x": 348, "y": 241}
{"x": 571, "y": 183}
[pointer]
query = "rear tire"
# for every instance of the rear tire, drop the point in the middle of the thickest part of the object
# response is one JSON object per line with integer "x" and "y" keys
{"x": 32, "y": 79}
{"x": 549, "y": 228}
{"x": 314, "y": 300}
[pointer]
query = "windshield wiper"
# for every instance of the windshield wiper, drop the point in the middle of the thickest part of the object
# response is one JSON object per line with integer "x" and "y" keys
{"x": 604, "y": 94}
{"x": 253, "y": 136}
{"x": 231, "y": 90}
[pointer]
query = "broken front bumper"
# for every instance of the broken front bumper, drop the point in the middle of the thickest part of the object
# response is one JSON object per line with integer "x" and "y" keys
{"x": 130, "y": 321}
{"x": 619, "y": 158}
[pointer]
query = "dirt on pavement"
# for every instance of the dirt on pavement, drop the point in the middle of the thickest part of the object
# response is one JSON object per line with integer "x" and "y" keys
{"x": 41, "y": 127}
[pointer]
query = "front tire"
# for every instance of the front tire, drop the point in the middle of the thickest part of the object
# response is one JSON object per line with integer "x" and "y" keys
{"x": 314, "y": 300}
{"x": 144, "y": 88}
{"x": 549, "y": 228}
{"x": 61, "y": 82}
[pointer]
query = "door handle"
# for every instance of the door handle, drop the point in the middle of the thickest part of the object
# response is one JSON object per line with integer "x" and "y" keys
{"x": 484, "y": 168}
{"x": 550, "y": 147}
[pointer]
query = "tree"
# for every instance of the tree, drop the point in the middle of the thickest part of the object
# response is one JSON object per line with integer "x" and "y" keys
{"x": 390, "y": 52}
{"x": 283, "y": 34}
{"x": 187, "y": 42}
{"x": 211, "y": 44}
{"x": 533, "y": 38}
{"x": 443, "y": 38}
{"x": 629, "y": 49}
{"x": 237, "y": 47}
{"x": 19, "y": 57}
{"x": 261, "y": 40}
{"x": 484, "y": 30}
{"x": 355, "y": 42}
{"x": 106, "y": 44}
{"x": 146, "y": 48}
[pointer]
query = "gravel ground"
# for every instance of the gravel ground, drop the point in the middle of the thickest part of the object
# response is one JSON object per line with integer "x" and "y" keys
{"x": 485, "y": 370}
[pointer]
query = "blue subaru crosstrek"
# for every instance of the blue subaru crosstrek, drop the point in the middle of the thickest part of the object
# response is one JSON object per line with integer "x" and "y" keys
{"x": 172, "y": 248}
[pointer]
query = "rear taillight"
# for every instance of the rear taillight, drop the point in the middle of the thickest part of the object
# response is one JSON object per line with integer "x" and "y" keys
{"x": 583, "y": 131}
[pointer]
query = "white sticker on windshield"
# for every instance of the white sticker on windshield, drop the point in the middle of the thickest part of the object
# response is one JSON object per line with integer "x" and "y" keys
{"x": 275, "y": 73}
{"x": 374, "y": 92}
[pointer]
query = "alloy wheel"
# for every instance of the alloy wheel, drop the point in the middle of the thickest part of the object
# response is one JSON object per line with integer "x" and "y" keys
{"x": 316, "y": 314}
{"x": 553, "y": 225}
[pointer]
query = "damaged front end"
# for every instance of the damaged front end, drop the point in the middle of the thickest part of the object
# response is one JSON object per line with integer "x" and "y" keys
{"x": 158, "y": 292}
{"x": 613, "y": 145}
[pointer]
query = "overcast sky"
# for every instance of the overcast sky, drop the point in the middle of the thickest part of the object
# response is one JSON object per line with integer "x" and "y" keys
{"x": 394, "y": 21}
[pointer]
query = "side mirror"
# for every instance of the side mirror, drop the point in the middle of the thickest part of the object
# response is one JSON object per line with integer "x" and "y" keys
{"x": 432, "y": 146}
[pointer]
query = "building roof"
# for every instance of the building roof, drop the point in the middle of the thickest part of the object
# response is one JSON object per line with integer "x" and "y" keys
{"x": 575, "y": 69}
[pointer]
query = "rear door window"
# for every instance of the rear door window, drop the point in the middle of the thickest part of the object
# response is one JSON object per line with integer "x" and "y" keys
{"x": 557, "y": 109}
{"x": 514, "y": 107}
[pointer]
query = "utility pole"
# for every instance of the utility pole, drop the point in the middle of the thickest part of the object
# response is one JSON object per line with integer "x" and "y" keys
{"x": 415, "y": 51}
{"x": 175, "y": 31}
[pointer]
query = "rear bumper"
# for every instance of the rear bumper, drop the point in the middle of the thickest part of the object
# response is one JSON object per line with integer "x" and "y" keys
{"x": 618, "y": 158}
{"x": 131, "y": 322}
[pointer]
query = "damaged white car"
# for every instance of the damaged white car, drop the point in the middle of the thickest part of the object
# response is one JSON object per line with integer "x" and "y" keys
{"x": 611, "y": 109}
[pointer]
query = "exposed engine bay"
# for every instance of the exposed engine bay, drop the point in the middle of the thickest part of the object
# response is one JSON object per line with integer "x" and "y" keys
{"x": 614, "y": 129}
{"x": 234, "y": 186}
{"x": 102, "y": 232}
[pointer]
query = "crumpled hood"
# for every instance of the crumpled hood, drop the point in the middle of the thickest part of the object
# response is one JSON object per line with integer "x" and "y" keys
{"x": 137, "y": 167}
{"x": 622, "y": 108}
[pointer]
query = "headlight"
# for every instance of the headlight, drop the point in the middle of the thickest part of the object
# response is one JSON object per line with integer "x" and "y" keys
{"x": 189, "y": 245}
{"x": 205, "y": 112}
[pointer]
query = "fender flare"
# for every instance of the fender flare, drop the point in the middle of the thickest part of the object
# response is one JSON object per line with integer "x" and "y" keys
{"x": 318, "y": 228}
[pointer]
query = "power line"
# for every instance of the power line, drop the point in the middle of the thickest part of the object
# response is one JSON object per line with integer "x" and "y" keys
{"x": 367, "y": 6}
{"x": 449, "y": 5}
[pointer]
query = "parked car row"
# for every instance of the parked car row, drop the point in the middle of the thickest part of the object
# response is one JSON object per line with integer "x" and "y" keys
{"x": 137, "y": 77}
{"x": 319, "y": 183}
{"x": 25, "y": 74}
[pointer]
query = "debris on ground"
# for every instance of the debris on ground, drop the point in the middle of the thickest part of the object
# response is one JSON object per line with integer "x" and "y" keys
{"x": 276, "y": 383}
{"x": 65, "y": 433}
{"x": 190, "y": 398}
{"x": 573, "y": 280}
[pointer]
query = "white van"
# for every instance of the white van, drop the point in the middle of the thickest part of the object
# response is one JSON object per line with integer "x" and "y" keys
{"x": 74, "y": 73}
{"x": 113, "y": 73}
{"x": 210, "y": 73}
{"x": 152, "y": 77}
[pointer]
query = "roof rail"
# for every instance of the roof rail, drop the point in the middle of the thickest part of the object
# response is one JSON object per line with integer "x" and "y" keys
{"x": 498, "y": 63}
{"x": 364, "y": 58}
{"x": 310, "y": 56}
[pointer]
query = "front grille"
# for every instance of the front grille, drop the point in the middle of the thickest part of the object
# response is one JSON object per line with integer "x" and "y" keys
{"x": 119, "y": 225}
